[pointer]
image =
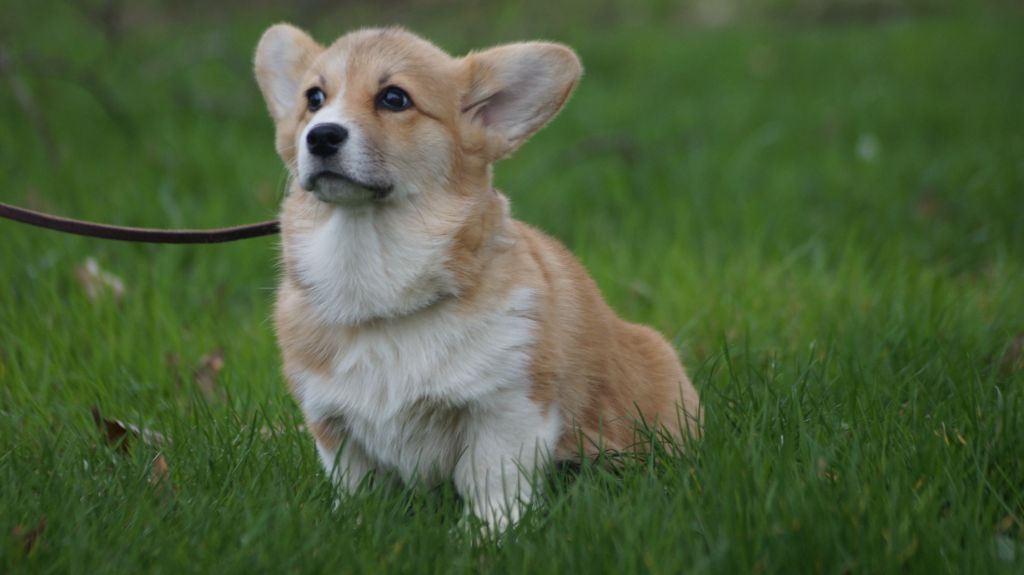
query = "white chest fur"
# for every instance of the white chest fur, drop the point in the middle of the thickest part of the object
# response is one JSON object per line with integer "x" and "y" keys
{"x": 403, "y": 389}
{"x": 364, "y": 264}
{"x": 407, "y": 385}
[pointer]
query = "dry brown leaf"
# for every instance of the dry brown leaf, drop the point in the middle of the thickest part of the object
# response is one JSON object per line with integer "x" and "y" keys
{"x": 114, "y": 431}
{"x": 205, "y": 375}
{"x": 29, "y": 535}
{"x": 118, "y": 433}
{"x": 121, "y": 435}
{"x": 160, "y": 471}
{"x": 160, "y": 476}
{"x": 96, "y": 281}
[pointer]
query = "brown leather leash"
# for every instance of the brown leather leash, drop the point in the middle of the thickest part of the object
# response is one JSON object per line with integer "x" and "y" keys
{"x": 129, "y": 234}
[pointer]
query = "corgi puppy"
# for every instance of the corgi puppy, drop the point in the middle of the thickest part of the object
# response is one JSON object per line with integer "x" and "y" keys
{"x": 423, "y": 330}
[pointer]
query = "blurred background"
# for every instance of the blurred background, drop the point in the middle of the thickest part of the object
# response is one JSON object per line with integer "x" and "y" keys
{"x": 703, "y": 129}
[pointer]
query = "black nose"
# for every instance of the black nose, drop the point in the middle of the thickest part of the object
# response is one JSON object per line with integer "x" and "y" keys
{"x": 325, "y": 139}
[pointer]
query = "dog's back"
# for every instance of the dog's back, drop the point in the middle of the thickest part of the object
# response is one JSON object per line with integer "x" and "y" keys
{"x": 605, "y": 374}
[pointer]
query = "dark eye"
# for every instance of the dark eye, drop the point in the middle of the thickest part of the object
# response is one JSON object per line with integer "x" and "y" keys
{"x": 393, "y": 98}
{"x": 315, "y": 97}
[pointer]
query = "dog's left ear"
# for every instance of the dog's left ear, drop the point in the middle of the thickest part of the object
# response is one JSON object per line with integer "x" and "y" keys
{"x": 514, "y": 90}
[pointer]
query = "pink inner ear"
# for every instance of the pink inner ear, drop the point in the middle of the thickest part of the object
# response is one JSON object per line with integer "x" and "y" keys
{"x": 490, "y": 112}
{"x": 511, "y": 105}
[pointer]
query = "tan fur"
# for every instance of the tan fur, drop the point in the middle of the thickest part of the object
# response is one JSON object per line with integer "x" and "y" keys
{"x": 600, "y": 372}
{"x": 329, "y": 435}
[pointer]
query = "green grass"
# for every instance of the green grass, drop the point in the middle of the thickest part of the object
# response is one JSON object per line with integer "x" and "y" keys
{"x": 828, "y": 219}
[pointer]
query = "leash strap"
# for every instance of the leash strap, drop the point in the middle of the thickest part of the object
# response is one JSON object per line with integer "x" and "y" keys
{"x": 128, "y": 234}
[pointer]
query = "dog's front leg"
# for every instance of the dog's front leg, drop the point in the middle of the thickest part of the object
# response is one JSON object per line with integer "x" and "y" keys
{"x": 507, "y": 443}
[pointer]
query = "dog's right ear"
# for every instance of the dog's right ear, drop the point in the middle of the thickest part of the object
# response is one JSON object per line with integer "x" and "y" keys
{"x": 283, "y": 56}
{"x": 515, "y": 89}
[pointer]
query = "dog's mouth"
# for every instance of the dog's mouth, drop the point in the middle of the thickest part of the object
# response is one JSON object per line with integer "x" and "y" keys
{"x": 337, "y": 187}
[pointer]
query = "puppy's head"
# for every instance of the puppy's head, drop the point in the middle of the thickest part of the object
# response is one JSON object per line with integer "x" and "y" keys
{"x": 382, "y": 115}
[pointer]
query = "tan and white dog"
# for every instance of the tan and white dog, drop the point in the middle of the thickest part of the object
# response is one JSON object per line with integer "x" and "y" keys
{"x": 425, "y": 331}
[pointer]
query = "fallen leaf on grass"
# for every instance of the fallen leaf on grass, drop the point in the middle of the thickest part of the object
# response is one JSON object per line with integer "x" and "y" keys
{"x": 160, "y": 470}
{"x": 160, "y": 475}
{"x": 96, "y": 281}
{"x": 118, "y": 433}
{"x": 205, "y": 375}
{"x": 115, "y": 431}
{"x": 29, "y": 535}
